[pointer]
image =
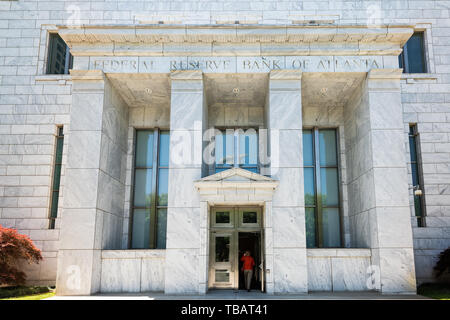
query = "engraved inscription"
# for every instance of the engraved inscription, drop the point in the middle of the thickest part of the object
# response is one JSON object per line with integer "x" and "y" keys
{"x": 236, "y": 64}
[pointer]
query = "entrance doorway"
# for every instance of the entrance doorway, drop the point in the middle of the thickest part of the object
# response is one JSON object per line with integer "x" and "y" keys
{"x": 234, "y": 230}
{"x": 250, "y": 241}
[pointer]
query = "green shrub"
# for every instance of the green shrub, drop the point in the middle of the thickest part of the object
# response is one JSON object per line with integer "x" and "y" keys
{"x": 18, "y": 291}
{"x": 442, "y": 267}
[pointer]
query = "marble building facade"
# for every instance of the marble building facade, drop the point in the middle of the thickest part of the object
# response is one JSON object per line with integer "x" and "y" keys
{"x": 281, "y": 67}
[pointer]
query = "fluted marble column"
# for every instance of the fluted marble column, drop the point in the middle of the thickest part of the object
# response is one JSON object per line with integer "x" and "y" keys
{"x": 284, "y": 121}
{"x": 185, "y": 260}
{"x": 378, "y": 183}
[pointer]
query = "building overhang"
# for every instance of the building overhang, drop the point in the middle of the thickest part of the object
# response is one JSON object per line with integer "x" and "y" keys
{"x": 235, "y": 39}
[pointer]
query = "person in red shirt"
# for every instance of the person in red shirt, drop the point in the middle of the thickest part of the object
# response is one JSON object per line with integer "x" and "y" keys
{"x": 249, "y": 263}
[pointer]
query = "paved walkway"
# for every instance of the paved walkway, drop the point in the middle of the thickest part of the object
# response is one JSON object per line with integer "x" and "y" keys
{"x": 231, "y": 295}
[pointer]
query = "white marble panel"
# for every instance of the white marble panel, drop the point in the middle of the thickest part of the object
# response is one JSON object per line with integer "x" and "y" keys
{"x": 182, "y": 192}
{"x": 183, "y": 229}
{"x": 84, "y": 149}
{"x": 391, "y": 187}
{"x": 388, "y": 148}
{"x": 289, "y": 227}
{"x": 152, "y": 275}
{"x": 285, "y": 110}
{"x": 349, "y": 274}
{"x": 397, "y": 270}
{"x": 291, "y": 152}
{"x": 87, "y": 111}
{"x": 78, "y": 272}
{"x": 121, "y": 275}
{"x": 291, "y": 182}
{"x": 319, "y": 274}
{"x": 111, "y": 195}
{"x": 394, "y": 227}
{"x": 81, "y": 188}
{"x": 81, "y": 237}
{"x": 186, "y": 110}
{"x": 385, "y": 110}
{"x": 185, "y": 148}
{"x": 361, "y": 231}
{"x": 290, "y": 272}
{"x": 181, "y": 271}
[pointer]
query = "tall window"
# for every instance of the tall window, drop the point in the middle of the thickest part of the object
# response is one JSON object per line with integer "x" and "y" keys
{"x": 237, "y": 148}
{"x": 412, "y": 59}
{"x": 322, "y": 204}
{"x": 56, "y": 176}
{"x": 59, "y": 59}
{"x": 417, "y": 177}
{"x": 151, "y": 177}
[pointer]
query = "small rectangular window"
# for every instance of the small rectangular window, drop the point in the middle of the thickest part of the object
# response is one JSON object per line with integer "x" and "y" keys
{"x": 321, "y": 181}
{"x": 151, "y": 178}
{"x": 417, "y": 177}
{"x": 237, "y": 148}
{"x": 59, "y": 59}
{"x": 56, "y": 177}
{"x": 412, "y": 59}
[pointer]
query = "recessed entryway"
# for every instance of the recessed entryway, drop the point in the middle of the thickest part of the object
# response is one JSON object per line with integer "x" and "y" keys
{"x": 234, "y": 230}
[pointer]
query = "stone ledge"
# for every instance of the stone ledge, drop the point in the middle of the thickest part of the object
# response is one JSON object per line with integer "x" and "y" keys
{"x": 134, "y": 254}
{"x": 412, "y": 78}
{"x": 61, "y": 79}
{"x": 338, "y": 252}
{"x": 391, "y": 37}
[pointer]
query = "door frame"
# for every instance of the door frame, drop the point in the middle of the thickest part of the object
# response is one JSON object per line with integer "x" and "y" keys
{"x": 235, "y": 226}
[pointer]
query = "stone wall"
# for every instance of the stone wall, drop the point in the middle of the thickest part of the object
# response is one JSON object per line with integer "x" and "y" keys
{"x": 338, "y": 269}
{"x": 132, "y": 271}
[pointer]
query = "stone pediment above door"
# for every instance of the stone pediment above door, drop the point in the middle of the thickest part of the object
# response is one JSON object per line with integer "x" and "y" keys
{"x": 236, "y": 185}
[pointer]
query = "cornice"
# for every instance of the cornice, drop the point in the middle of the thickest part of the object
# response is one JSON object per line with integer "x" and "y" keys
{"x": 167, "y": 40}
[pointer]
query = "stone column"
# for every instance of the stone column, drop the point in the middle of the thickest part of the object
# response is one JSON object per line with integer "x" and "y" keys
{"x": 392, "y": 247}
{"x": 92, "y": 213}
{"x": 284, "y": 121}
{"x": 184, "y": 259}
{"x": 378, "y": 183}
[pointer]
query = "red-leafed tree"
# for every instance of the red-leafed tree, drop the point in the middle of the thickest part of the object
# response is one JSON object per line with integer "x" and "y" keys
{"x": 14, "y": 248}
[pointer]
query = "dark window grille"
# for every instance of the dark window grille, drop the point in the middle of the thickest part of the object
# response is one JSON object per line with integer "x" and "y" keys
{"x": 56, "y": 177}
{"x": 412, "y": 59}
{"x": 150, "y": 192}
{"x": 59, "y": 59}
{"x": 417, "y": 175}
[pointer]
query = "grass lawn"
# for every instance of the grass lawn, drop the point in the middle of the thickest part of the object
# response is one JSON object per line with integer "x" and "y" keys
{"x": 435, "y": 291}
{"x": 33, "y": 297}
{"x": 26, "y": 293}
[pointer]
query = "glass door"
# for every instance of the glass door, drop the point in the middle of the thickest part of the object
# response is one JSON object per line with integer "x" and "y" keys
{"x": 226, "y": 224}
{"x": 222, "y": 260}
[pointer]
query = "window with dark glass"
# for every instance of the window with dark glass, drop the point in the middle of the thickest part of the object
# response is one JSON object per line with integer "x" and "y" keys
{"x": 56, "y": 176}
{"x": 417, "y": 177}
{"x": 321, "y": 178}
{"x": 151, "y": 177}
{"x": 59, "y": 59}
{"x": 412, "y": 59}
{"x": 236, "y": 148}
